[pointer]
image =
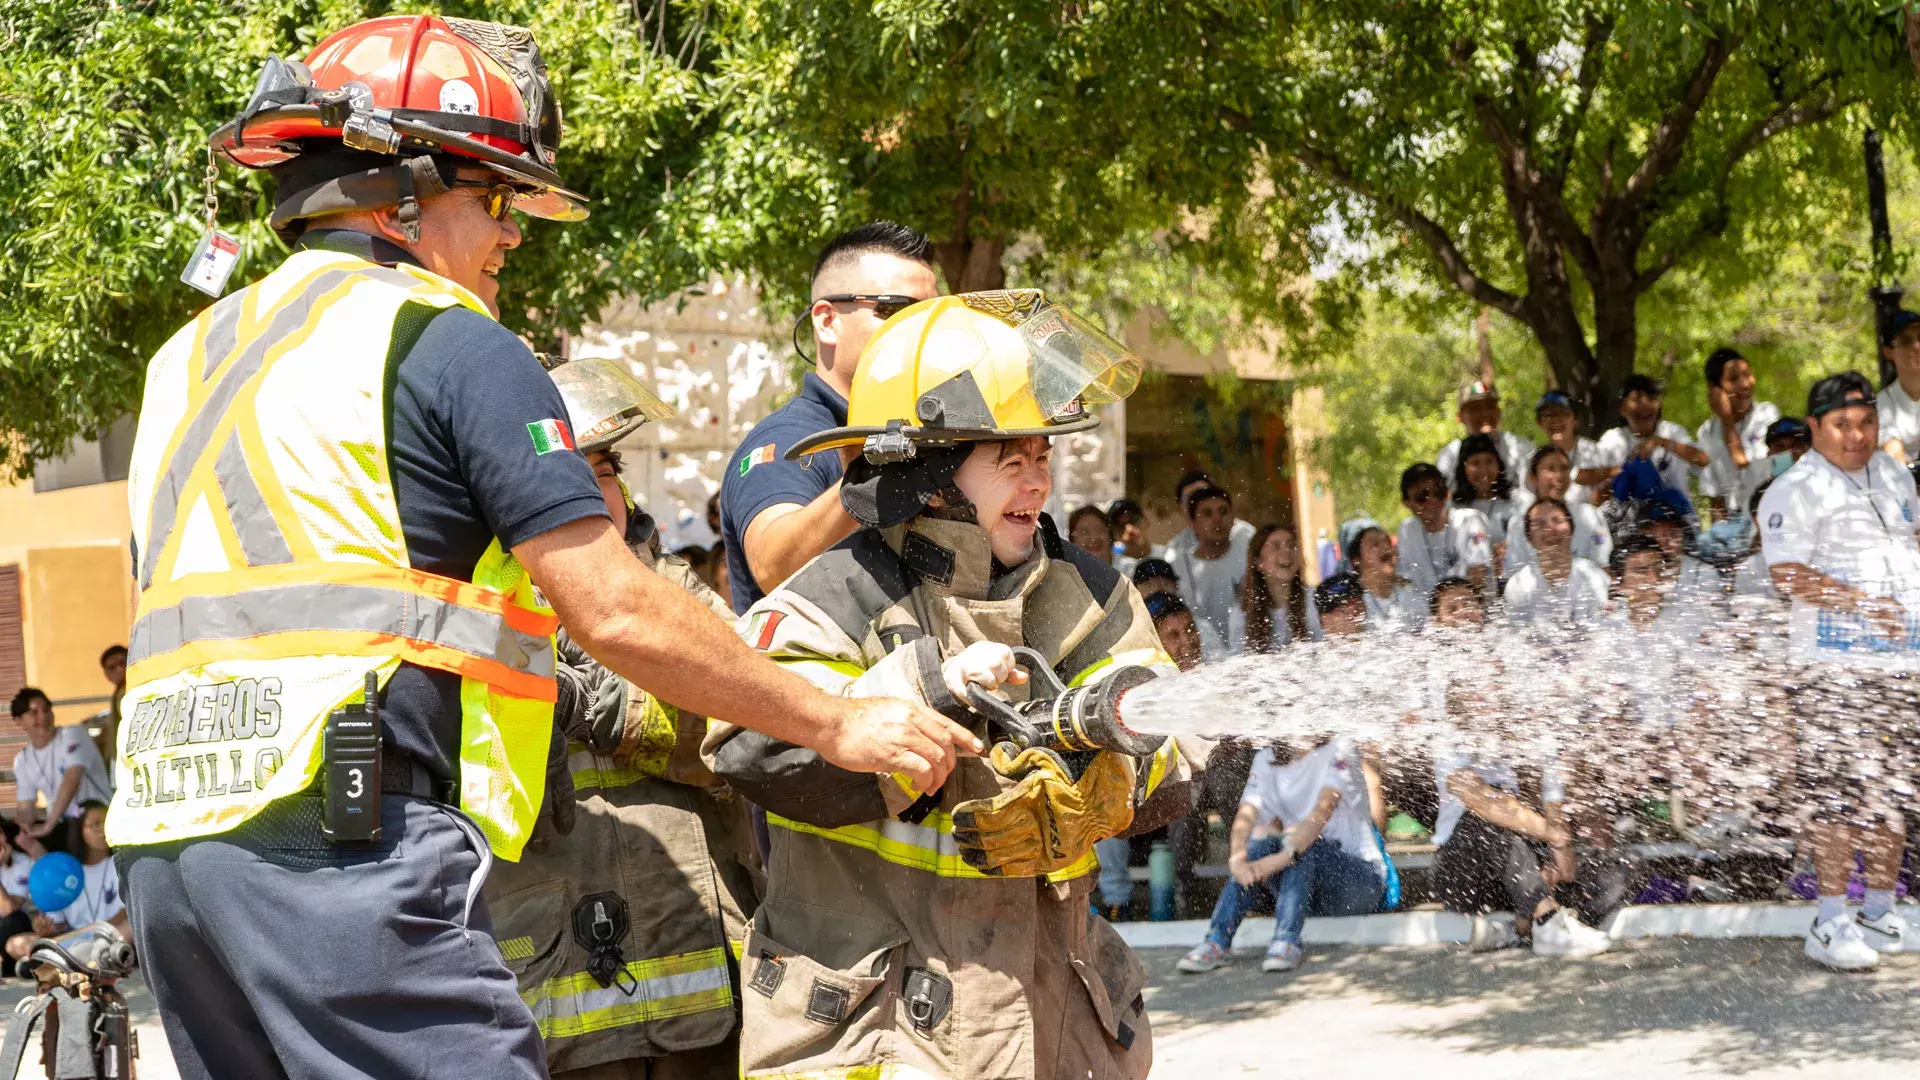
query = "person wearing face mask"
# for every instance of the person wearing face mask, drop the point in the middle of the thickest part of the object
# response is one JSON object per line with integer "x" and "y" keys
{"x": 1734, "y": 437}
{"x": 659, "y": 852}
{"x": 947, "y": 931}
{"x": 1899, "y": 399}
{"x": 1275, "y": 609}
{"x": 1837, "y": 532}
{"x": 1548, "y": 476}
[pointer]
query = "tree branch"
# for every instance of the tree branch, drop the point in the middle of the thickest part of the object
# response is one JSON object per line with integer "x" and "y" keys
{"x": 1452, "y": 262}
{"x": 1670, "y": 138}
{"x": 1794, "y": 113}
{"x": 1525, "y": 183}
{"x": 1587, "y": 78}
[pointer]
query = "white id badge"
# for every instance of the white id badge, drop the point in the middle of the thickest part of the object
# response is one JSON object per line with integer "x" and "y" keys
{"x": 212, "y": 263}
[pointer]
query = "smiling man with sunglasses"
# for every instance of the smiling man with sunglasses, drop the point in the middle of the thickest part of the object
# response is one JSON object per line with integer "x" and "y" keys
{"x": 775, "y": 514}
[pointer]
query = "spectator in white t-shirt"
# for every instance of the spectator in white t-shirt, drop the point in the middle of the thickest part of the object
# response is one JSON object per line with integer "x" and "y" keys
{"x": 1837, "y": 531}
{"x": 1735, "y": 436}
{"x": 1554, "y": 413}
{"x": 99, "y": 899}
{"x": 1211, "y": 572}
{"x": 1479, "y": 413}
{"x": 1559, "y": 588}
{"x": 1306, "y": 831}
{"x": 58, "y": 766}
{"x": 1643, "y": 435}
{"x": 1442, "y": 539}
{"x": 1276, "y": 608}
{"x": 1550, "y": 474}
{"x": 1481, "y": 482}
{"x": 1899, "y": 401}
{"x": 1185, "y": 540}
{"x": 1392, "y": 603}
{"x": 14, "y": 901}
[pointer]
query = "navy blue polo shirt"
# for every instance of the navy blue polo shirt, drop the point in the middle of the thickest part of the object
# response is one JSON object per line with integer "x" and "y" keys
{"x": 462, "y": 391}
{"x": 759, "y": 475}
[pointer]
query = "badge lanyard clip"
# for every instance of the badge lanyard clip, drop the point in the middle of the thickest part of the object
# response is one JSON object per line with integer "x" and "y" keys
{"x": 218, "y": 252}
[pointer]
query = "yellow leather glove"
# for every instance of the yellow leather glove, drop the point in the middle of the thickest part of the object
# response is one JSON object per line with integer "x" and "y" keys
{"x": 1047, "y": 821}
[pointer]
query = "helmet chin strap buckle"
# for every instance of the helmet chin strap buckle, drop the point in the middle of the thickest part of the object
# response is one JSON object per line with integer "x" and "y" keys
{"x": 890, "y": 447}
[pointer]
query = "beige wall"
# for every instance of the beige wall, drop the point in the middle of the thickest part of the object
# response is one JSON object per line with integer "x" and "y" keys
{"x": 77, "y": 594}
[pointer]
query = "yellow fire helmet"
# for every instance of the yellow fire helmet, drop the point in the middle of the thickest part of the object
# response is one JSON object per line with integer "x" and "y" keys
{"x": 977, "y": 367}
{"x": 604, "y": 401}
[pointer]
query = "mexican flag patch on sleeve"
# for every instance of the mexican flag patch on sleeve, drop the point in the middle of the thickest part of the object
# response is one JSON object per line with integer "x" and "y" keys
{"x": 550, "y": 435}
{"x": 760, "y": 456}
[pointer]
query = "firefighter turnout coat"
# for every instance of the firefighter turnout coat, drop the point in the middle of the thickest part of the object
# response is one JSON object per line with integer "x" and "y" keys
{"x": 658, "y": 877}
{"x": 878, "y": 953}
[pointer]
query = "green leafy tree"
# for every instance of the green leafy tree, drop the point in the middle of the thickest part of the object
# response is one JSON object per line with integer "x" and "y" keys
{"x": 105, "y": 110}
{"x": 1557, "y": 160}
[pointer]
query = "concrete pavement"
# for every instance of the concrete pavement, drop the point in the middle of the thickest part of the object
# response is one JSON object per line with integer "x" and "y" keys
{"x": 1651, "y": 1010}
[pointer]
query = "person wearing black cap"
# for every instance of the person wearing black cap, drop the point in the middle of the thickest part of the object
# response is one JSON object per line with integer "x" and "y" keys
{"x": 1735, "y": 436}
{"x": 1643, "y": 434}
{"x": 1900, "y": 399}
{"x": 1837, "y": 532}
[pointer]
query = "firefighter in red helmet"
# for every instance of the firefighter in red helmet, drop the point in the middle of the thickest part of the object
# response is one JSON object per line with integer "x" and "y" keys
{"x": 348, "y": 478}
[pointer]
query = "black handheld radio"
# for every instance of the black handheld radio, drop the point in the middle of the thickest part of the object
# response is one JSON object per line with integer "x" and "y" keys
{"x": 350, "y": 761}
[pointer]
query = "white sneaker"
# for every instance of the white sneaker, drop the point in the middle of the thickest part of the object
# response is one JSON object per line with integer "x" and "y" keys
{"x": 1563, "y": 934}
{"x": 1839, "y": 944}
{"x": 1491, "y": 933}
{"x": 1281, "y": 956}
{"x": 1205, "y": 957}
{"x": 1891, "y": 932}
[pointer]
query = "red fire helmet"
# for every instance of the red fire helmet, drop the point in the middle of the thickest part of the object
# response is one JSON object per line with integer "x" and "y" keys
{"x": 415, "y": 84}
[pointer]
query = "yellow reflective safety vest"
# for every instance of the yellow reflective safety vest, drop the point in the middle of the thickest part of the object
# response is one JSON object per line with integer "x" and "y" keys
{"x": 273, "y": 574}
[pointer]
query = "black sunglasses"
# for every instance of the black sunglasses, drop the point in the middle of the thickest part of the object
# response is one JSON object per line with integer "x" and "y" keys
{"x": 885, "y": 306}
{"x": 1426, "y": 494}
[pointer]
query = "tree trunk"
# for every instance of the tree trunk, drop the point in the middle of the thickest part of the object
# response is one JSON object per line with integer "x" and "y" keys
{"x": 972, "y": 264}
{"x": 1616, "y": 332}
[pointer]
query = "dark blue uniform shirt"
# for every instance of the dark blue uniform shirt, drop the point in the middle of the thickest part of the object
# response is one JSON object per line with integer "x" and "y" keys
{"x": 462, "y": 390}
{"x": 760, "y": 476}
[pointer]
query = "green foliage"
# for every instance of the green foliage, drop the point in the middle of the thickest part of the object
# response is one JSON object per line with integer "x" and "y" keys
{"x": 105, "y": 109}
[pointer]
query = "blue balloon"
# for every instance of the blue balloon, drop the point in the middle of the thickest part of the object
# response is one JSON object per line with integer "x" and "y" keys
{"x": 55, "y": 881}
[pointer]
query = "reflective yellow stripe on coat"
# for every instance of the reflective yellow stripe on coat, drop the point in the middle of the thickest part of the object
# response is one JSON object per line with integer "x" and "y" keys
{"x": 928, "y": 846}
{"x": 274, "y": 577}
{"x": 569, "y": 1005}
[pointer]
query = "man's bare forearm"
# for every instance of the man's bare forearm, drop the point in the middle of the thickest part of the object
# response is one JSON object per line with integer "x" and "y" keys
{"x": 786, "y": 536}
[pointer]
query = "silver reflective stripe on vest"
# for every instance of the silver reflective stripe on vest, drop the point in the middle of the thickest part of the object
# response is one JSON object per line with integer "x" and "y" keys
{"x": 289, "y": 319}
{"x": 223, "y": 333}
{"x": 284, "y": 608}
{"x": 260, "y": 537}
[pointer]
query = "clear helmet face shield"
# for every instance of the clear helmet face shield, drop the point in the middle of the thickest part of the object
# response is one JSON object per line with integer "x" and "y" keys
{"x": 604, "y": 401}
{"x": 1072, "y": 364}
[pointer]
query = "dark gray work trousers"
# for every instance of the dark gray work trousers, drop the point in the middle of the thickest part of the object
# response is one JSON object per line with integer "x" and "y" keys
{"x": 274, "y": 954}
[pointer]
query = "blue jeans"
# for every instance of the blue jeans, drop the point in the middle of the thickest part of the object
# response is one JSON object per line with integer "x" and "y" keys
{"x": 1116, "y": 884}
{"x": 1323, "y": 880}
